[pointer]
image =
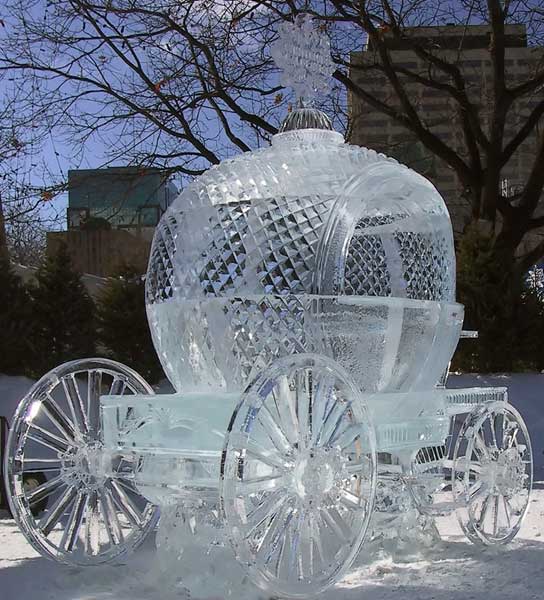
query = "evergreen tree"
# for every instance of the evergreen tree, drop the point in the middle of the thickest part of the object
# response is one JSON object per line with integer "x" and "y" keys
{"x": 63, "y": 314}
{"x": 15, "y": 321}
{"x": 122, "y": 324}
{"x": 507, "y": 314}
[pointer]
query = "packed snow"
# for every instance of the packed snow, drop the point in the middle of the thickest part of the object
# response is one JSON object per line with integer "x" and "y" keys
{"x": 452, "y": 570}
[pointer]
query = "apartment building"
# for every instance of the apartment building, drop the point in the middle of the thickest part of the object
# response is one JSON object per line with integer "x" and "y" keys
{"x": 467, "y": 47}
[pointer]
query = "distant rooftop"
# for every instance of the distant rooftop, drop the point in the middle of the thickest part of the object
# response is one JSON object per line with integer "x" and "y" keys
{"x": 455, "y": 37}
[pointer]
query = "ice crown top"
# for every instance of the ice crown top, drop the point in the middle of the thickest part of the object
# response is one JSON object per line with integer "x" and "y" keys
{"x": 303, "y": 53}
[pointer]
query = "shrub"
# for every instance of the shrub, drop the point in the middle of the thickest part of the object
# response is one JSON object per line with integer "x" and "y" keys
{"x": 122, "y": 324}
{"x": 15, "y": 322}
{"x": 508, "y": 316}
{"x": 63, "y": 315}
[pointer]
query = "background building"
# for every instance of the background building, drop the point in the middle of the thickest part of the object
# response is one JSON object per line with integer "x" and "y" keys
{"x": 111, "y": 217}
{"x": 467, "y": 47}
{"x": 126, "y": 197}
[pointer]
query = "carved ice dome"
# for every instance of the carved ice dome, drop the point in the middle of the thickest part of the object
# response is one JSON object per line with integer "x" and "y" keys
{"x": 309, "y": 215}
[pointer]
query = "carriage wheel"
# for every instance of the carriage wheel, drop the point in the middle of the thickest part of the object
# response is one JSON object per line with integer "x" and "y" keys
{"x": 492, "y": 473}
{"x": 298, "y": 476}
{"x": 87, "y": 511}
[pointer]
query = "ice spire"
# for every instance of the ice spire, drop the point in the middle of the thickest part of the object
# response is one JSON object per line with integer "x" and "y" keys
{"x": 303, "y": 54}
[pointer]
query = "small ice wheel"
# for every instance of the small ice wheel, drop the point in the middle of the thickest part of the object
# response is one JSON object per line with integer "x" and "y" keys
{"x": 492, "y": 473}
{"x": 298, "y": 476}
{"x": 85, "y": 508}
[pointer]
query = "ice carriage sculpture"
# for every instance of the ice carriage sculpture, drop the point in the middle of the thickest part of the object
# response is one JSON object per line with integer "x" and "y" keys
{"x": 301, "y": 299}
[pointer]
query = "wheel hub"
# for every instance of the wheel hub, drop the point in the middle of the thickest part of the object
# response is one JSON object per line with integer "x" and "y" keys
{"x": 86, "y": 465}
{"x": 505, "y": 474}
{"x": 316, "y": 474}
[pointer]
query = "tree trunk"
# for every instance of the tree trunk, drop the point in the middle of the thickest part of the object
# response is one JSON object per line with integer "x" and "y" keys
{"x": 4, "y": 252}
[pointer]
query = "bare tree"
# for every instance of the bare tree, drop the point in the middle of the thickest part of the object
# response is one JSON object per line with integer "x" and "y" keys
{"x": 181, "y": 85}
{"x": 22, "y": 196}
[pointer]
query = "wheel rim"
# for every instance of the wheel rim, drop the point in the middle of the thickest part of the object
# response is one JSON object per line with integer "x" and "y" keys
{"x": 299, "y": 476}
{"x": 492, "y": 474}
{"x": 94, "y": 513}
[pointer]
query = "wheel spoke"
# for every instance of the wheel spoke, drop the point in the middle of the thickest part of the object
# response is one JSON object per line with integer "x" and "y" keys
{"x": 44, "y": 490}
{"x": 92, "y": 525}
{"x": 280, "y": 552}
{"x": 337, "y": 524}
{"x": 73, "y": 526}
{"x": 52, "y": 516}
{"x": 483, "y": 513}
{"x": 316, "y": 538}
{"x": 125, "y": 504}
{"x": 285, "y": 405}
{"x": 270, "y": 458}
{"x": 481, "y": 446}
{"x": 323, "y": 402}
{"x": 59, "y": 418}
{"x": 93, "y": 402}
{"x": 295, "y": 546}
{"x": 339, "y": 426}
{"x": 254, "y": 485}
{"x": 276, "y": 532}
{"x": 474, "y": 490}
{"x": 117, "y": 387}
{"x": 303, "y": 394}
{"x": 513, "y": 434}
{"x": 500, "y": 430}
{"x": 492, "y": 424}
{"x": 507, "y": 510}
{"x": 38, "y": 465}
{"x": 345, "y": 436}
{"x": 308, "y": 547}
{"x": 40, "y": 461}
{"x": 42, "y": 470}
{"x": 496, "y": 516}
{"x": 266, "y": 509}
{"x": 75, "y": 402}
{"x": 274, "y": 431}
{"x": 109, "y": 514}
{"x": 475, "y": 467}
{"x": 328, "y": 421}
{"x": 48, "y": 439}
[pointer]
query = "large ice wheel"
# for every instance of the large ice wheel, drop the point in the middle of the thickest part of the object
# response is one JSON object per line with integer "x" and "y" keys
{"x": 299, "y": 476}
{"x": 492, "y": 473}
{"x": 87, "y": 510}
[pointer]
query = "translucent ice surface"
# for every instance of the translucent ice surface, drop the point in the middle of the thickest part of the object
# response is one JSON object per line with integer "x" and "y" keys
{"x": 310, "y": 215}
{"x": 385, "y": 343}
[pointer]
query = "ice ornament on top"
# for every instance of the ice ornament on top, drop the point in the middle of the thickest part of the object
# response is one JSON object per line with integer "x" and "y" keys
{"x": 303, "y": 54}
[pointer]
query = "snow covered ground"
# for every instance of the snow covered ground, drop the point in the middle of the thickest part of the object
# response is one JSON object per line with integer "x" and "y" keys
{"x": 453, "y": 570}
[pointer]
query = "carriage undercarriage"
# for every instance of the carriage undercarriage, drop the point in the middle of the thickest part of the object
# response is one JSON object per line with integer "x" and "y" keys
{"x": 294, "y": 470}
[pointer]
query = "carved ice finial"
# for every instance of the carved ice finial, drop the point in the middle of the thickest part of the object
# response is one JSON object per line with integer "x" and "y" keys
{"x": 303, "y": 53}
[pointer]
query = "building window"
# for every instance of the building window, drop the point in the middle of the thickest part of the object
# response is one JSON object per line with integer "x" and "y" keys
{"x": 76, "y": 216}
